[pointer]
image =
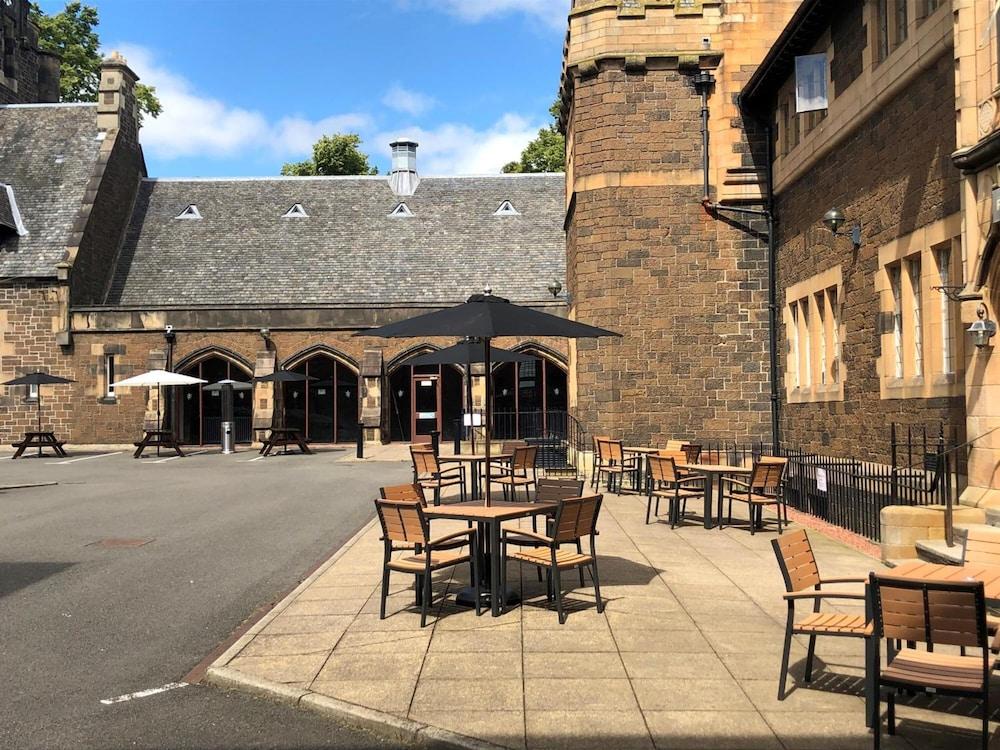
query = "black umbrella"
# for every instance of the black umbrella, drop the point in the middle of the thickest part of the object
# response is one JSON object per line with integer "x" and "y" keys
{"x": 38, "y": 379}
{"x": 466, "y": 353}
{"x": 283, "y": 376}
{"x": 486, "y": 316}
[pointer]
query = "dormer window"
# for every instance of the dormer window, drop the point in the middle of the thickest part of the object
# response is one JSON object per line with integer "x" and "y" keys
{"x": 296, "y": 212}
{"x": 191, "y": 212}
{"x": 401, "y": 211}
{"x": 506, "y": 209}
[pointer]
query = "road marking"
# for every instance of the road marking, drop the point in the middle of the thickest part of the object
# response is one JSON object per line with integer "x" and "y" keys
{"x": 83, "y": 458}
{"x": 250, "y": 461}
{"x": 172, "y": 458}
{"x": 143, "y": 693}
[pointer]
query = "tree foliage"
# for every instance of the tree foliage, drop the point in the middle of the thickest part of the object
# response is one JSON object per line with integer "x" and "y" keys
{"x": 547, "y": 153}
{"x": 337, "y": 154}
{"x": 72, "y": 35}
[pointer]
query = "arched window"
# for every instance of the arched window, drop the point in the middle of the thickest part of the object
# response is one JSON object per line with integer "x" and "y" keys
{"x": 526, "y": 396}
{"x": 199, "y": 413}
{"x": 325, "y": 408}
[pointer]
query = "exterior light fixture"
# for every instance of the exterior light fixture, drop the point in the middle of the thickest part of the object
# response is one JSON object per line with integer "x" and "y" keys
{"x": 168, "y": 334}
{"x": 834, "y": 220}
{"x": 555, "y": 287}
{"x": 983, "y": 329}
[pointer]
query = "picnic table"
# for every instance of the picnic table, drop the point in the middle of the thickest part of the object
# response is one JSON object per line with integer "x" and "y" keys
{"x": 489, "y": 519}
{"x": 157, "y": 439}
{"x": 713, "y": 474}
{"x": 284, "y": 436}
{"x": 39, "y": 440}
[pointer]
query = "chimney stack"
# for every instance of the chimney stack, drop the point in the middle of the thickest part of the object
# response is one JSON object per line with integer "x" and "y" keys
{"x": 403, "y": 179}
{"x": 117, "y": 109}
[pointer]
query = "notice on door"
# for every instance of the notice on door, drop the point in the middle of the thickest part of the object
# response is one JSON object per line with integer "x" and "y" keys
{"x": 426, "y": 415}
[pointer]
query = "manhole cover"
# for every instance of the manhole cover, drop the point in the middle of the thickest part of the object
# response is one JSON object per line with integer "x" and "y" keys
{"x": 120, "y": 543}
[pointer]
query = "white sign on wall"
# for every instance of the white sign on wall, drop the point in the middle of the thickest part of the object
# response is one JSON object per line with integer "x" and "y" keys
{"x": 473, "y": 420}
{"x": 810, "y": 83}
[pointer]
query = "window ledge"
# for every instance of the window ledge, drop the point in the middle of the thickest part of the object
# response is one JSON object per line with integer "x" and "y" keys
{"x": 108, "y": 400}
{"x": 816, "y": 394}
{"x": 30, "y": 400}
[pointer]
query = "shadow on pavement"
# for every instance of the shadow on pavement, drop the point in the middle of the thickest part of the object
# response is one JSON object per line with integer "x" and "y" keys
{"x": 18, "y": 575}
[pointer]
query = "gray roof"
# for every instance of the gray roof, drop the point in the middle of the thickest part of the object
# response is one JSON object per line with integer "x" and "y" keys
{"x": 47, "y": 155}
{"x": 348, "y": 250}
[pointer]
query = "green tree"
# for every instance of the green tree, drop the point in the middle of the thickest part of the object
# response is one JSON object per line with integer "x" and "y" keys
{"x": 547, "y": 153}
{"x": 72, "y": 35}
{"x": 337, "y": 154}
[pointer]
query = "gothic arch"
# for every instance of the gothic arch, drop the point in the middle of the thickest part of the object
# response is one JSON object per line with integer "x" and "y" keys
{"x": 408, "y": 353}
{"x": 543, "y": 351}
{"x": 311, "y": 351}
{"x": 215, "y": 351}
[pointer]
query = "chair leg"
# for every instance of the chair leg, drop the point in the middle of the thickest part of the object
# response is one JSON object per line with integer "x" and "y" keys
{"x": 891, "y": 700}
{"x": 810, "y": 653}
{"x": 558, "y": 590}
{"x": 986, "y": 722}
{"x": 753, "y": 519}
{"x": 877, "y": 719}
{"x": 425, "y": 601}
{"x": 474, "y": 550}
{"x": 437, "y": 495}
{"x": 649, "y": 506}
{"x": 783, "y": 679}
{"x": 579, "y": 551}
{"x": 597, "y": 585}
{"x": 385, "y": 592}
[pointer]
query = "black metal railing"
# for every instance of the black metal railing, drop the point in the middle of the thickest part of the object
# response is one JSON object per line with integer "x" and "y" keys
{"x": 561, "y": 439}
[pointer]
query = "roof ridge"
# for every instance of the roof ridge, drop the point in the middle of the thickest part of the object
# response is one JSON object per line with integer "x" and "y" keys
{"x": 336, "y": 178}
{"x": 48, "y": 105}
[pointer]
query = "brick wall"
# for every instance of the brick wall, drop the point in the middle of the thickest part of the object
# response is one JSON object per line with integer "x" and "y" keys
{"x": 894, "y": 174}
{"x": 687, "y": 291}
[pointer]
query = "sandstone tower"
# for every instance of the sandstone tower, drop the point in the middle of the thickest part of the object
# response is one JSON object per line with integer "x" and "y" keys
{"x": 647, "y": 255}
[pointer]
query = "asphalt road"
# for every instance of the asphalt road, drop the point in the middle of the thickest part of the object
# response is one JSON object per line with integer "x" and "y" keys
{"x": 81, "y": 622}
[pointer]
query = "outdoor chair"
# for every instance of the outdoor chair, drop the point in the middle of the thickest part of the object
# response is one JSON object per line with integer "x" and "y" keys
{"x": 549, "y": 490}
{"x": 692, "y": 452}
{"x": 414, "y": 493}
{"x": 405, "y": 528}
{"x": 664, "y": 480}
{"x": 520, "y": 472}
{"x": 763, "y": 489}
{"x": 803, "y": 582}
{"x": 431, "y": 473}
{"x": 575, "y": 518}
{"x": 982, "y": 547}
{"x": 934, "y": 613}
{"x": 598, "y": 459}
{"x": 614, "y": 464}
{"x": 680, "y": 457}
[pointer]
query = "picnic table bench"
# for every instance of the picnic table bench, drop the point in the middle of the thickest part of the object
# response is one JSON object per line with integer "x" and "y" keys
{"x": 283, "y": 437}
{"x": 39, "y": 440}
{"x": 157, "y": 439}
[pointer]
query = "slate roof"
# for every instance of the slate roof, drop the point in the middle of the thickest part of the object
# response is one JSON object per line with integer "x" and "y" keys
{"x": 47, "y": 154}
{"x": 348, "y": 251}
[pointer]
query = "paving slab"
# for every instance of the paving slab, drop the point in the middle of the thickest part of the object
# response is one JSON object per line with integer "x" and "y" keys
{"x": 685, "y": 655}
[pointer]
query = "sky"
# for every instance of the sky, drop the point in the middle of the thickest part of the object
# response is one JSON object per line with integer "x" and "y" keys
{"x": 247, "y": 85}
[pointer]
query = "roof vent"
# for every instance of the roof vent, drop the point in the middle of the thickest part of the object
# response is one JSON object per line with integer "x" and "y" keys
{"x": 506, "y": 209}
{"x": 191, "y": 212}
{"x": 295, "y": 212}
{"x": 403, "y": 179}
{"x": 401, "y": 211}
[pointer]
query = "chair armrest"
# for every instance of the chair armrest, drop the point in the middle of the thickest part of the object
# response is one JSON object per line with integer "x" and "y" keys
{"x": 734, "y": 480}
{"x": 843, "y": 580}
{"x": 690, "y": 480}
{"x": 822, "y": 595}
{"x": 448, "y": 537}
{"x": 528, "y": 533}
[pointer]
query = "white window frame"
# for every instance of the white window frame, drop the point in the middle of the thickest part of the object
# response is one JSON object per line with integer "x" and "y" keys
{"x": 943, "y": 258}
{"x": 32, "y": 392}
{"x": 896, "y": 289}
{"x": 794, "y": 354}
{"x": 821, "y": 325}
{"x": 914, "y": 271}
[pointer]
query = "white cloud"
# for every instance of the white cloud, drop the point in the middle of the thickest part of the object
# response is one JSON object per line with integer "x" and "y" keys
{"x": 455, "y": 148}
{"x": 404, "y": 100}
{"x": 551, "y": 12}
{"x": 196, "y": 125}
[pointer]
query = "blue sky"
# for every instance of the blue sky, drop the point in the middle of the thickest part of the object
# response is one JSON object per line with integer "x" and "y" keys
{"x": 250, "y": 84}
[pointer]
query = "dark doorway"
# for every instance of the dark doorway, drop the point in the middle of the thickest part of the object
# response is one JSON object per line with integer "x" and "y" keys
{"x": 200, "y": 413}
{"x": 525, "y": 395}
{"x": 326, "y": 409}
{"x": 422, "y": 399}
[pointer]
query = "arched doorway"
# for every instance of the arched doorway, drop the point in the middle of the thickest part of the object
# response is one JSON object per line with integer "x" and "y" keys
{"x": 200, "y": 412}
{"x": 325, "y": 409}
{"x": 424, "y": 398}
{"x": 527, "y": 396}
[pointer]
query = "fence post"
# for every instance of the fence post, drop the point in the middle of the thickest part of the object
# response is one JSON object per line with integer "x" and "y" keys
{"x": 894, "y": 484}
{"x": 361, "y": 440}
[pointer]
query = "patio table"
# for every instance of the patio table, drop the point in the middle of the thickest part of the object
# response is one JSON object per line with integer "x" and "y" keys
{"x": 988, "y": 574}
{"x": 475, "y": 462}
{"x": 489, "y": 519}
{"x": 713, "y": 474}
{"x": 39, "y": 440}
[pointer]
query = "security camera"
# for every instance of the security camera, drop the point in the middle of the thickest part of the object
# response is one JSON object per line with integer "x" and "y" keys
{"x": 170, "y": 329}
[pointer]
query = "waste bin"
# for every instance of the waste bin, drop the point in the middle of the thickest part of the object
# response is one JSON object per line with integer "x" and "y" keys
{"x": 228, "y": 437}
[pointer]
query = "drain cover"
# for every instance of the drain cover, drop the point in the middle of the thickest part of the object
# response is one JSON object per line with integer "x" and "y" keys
{"x": 115, "y": 543}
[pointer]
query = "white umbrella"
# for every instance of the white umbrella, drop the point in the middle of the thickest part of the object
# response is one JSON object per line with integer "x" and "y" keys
{"x": 157, "y": 379}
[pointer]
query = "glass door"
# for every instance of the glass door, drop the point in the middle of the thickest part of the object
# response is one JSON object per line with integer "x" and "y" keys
{"x": 426, "y": 400}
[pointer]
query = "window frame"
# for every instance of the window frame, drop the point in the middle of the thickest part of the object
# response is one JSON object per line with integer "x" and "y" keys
{"x": 812, "y": 319}
{"x": 109, "y": 376}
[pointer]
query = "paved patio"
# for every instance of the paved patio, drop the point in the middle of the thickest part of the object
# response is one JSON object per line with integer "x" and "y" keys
{"x": 686, "y": 654}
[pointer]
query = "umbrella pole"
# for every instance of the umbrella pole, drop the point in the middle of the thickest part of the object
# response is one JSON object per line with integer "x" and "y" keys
{"x": 38, "y": 408}
{"x": 159, "y": 422}
{"x": 468, "y": 399}
{"x": 489, "y": 414}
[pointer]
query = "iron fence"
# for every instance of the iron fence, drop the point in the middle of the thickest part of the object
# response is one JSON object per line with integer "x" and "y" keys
{"x": 559, "y": 436}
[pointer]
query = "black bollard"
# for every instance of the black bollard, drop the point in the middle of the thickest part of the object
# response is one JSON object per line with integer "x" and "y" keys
{"x": 436, "y": 442}
{"x": 361, "y": 439}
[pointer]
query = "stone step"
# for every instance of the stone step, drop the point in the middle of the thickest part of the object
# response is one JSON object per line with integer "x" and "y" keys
{"x": 937, "y": 551}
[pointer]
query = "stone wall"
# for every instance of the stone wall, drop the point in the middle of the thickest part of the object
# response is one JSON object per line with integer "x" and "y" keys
{"x": 893, "y": 173}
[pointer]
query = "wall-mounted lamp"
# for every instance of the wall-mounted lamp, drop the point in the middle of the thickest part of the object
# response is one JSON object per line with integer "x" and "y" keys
{"x": 168, "y": 334}
{"x": 555, "y": 288}
{"x": 983, "y": 329}
{"x": 834, "y": 220}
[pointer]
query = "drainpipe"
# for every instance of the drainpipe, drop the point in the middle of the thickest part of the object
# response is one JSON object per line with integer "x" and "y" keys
{"x": 703, "y": 81}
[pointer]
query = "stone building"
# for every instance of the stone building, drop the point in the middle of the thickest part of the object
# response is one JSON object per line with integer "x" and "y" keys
{"x": 657, "y": 246}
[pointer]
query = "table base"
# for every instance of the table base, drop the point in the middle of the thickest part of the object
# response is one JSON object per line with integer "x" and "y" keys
{"x": 466, "y": 597}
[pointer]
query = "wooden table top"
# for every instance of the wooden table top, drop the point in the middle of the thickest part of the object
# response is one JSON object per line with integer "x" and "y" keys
{"x": 716, "y": 468}
{"x": 476, "y": 510}
{"x": 988, "y": 574}
{"x": 469, "y": 457}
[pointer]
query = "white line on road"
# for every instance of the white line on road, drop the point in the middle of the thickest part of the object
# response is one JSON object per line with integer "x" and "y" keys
{"x": 172, "y": 458}
{"x": 143, "y": 693}
{"x": 250, "y": 461}
{"x": 83, "y": 458}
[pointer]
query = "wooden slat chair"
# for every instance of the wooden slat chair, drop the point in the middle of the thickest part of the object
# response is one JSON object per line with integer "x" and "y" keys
{"x": 432, "y": 474}
{"x": 763, "y": 489}
{"x": 414, "y": 493}
{"x": 935, "y": 613}
{"x": 520, "y": 472}
{"x": 575, "y": 518}
{"x": 982, "y": 547}
{"x": 598, "y": 460}
{"x": 692, "y": 452}
{"x": 616, "y": 464}
{"x": 405, "y": 528}
{"x": 665, "y": 480}
{"x": 803, "y": 582}
{"x": 549, "y": 490}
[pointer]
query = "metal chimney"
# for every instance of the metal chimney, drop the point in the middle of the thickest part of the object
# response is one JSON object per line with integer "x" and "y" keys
{"x": 403, "y": 179}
